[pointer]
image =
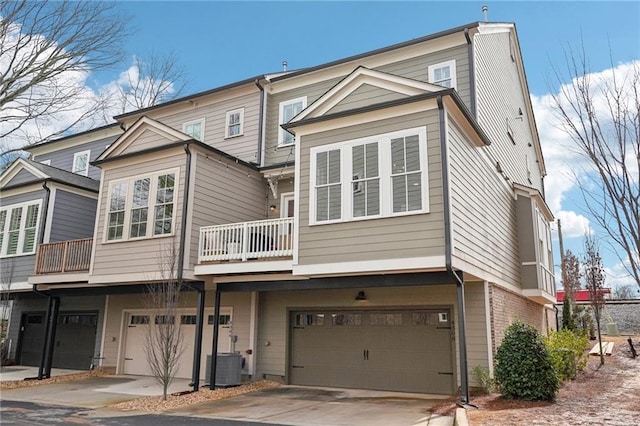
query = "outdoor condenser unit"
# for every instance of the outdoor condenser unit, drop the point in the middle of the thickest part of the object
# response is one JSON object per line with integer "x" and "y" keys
{"x": 228, "y": 369}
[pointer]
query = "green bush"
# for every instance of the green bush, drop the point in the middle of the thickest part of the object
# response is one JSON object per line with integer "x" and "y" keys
{"x": 483, "y": 379}
{"x": 524, "y": 369}
{"x": 568, "y": 352}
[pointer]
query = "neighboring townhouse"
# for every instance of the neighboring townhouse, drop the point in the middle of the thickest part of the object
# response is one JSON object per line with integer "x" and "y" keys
{"x": 375, "y": 222}
{"x": 48, "y": 207}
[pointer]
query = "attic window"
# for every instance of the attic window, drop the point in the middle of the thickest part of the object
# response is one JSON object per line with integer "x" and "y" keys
{"x": 288, "y": 110}
{"x": 81, "y": 163}
{"x": 443, "y": 74}
{"x": 195, "y": 129}
{"x": 235, "y": 123}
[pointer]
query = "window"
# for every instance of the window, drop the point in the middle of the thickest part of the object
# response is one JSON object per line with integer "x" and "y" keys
{"x": 142, "y": 206}
{"x": 443, "y": 74}
{"x": 139, "y": 319}
{"x": 81, "y": 163}
{"x": 188, "y": 319}
{"x": 18, "y": 228}
{"x": 195, "y": 129}
{"x": 288, "y": 110}
{"x": 378, "y": 176}
{"x": 223, "y": 319}
{"x": 46, "y": 162}
{"x": 235, "y": 123}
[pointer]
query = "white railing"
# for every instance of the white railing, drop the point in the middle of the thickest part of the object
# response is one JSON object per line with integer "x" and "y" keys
{"x": 247, "y": 240}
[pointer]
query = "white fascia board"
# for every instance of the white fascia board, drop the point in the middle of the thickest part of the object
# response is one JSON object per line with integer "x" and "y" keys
{"x": 372, "y": 266}
{"x": 71, "y": 141}
{"x": 539, "y": 296}
{"x": 79, "y": 277}
{"x": 243, "y": 267}
{"x": 15, "y": 168}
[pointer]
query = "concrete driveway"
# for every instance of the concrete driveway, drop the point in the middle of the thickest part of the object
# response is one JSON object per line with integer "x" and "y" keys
{"x": 287, "y": 405}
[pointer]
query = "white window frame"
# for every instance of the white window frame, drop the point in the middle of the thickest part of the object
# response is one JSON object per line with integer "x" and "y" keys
{"x": 21, "y": 230}
{"x": 151, "y": 205}
{"x": 84, "y": 172}
{"x": 199, "y": 121}
{"x": 227, "y": 127}
{"x": 282, "y": 132}
{"x": 452, "y": 71}
{"x": 385, "y": 175}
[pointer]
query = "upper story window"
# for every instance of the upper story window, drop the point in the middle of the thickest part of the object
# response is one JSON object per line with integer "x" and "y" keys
{"x": 195, "y": 129}
{"x": 18, "y": 228}
{"x": 235, "y": 123}
{"x": 142, "y": 206}
{"x": 379, "y": 176}
{"x": 443, "y": 74}
{"x": 288, "y": 110}
{"x": 81, "y": 163}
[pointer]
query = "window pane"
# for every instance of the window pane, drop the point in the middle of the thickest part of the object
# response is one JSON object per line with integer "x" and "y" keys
{"x": 194, "y": 130}
{"x": 372, "y": 161}
{"x": 414, "y": 191}
{"x": 412, "y": 153}
{"x": 322, "y": 203}
{"x": 141, "y": 192}
{"x": 397, "y": 156}
{"x": 3, "y": 220}
{"x": 334, "y": 166}
{"x": 373, "y": 197}
{"x": 322, "y": 161}
{"x": 399, "y": 193}
{"x": 335, "y": 202}
{"x": 116, "y": 211}
{"x": 81, "y": 164}
{"x": 31, "y": 224}
{"x": 14, "y": 230}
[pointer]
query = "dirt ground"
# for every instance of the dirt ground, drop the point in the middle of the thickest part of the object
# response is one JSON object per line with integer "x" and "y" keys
{"x": 600, "y": 395}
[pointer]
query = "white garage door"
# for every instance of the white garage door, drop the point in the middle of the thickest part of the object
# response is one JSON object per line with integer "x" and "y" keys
{"x": 138, "y": 323}
{"x": 407, "y": 350}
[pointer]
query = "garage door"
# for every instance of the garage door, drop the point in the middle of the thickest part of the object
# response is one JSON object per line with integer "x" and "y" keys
{"x": 74, "y": 343}
{"x": 135, "y": 361}
{"x": 408, "y": 350}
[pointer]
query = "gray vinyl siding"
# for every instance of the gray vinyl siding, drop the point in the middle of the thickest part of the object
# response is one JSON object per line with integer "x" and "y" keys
{"x": 147, "y": 140}
{"x": 224, "y": 192}
{"x": 73, "y": 217}
{"x": 137, "y": 256}
{"x": 417, "y": 68}
{"x": 376, "y": 239}
{"x": 244, "y": 147}
{"x": 366, "y": 95}
{"x": 23, "y": 266}
{"x": 63, "y": 158}
{"x": 273, "y": 153}
{"x": 273, "y": 310}
{"x": 26, "y": 304}
{"x": 23, "y": 176}
{"x": 476, "y": 327}
{"x": 499, "y": 100}
{"x": 482, "y": 211}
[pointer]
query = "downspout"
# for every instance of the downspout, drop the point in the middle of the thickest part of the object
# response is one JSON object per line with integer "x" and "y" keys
{"x": 462, "y": 346}
{"x": 472, "y": 76}
{"x": 260, "y": 122}
{"x": 195, "y": 382}
{"x": 45, "y": 211}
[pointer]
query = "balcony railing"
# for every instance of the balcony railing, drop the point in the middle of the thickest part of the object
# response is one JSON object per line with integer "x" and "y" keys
{"x": 247, "y": 240}
{"x": 64, "y": 256}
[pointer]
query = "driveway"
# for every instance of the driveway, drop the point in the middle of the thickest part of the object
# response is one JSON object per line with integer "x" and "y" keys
{"x": 286, "y": 405}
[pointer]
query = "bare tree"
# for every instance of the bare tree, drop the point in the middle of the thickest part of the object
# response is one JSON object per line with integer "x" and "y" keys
{"x": 45, "y": 48}
{"x": 6, "y": 279}
{"x": 602, "y": 118}
{"x": 625, "y": 292}
{"x": 164, "y": 342}
{"x": 149, "y": 81}
{"x": 594, "y": 281}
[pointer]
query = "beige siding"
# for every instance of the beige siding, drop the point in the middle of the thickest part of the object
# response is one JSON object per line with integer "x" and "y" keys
{"x": 417, "y": 68}
{"x": 244, "y": 147}
{"x": 476, "y": 327}
{"x": 365, "y": 95}
{"x": 285, "y": 185}
{"x": 482, "y": 211}
{"x": 388, "y": 238}
{"x": 273, "y": 154}
{"x": 146, "y": 140}
{"x": 224, "y": 192}
{"x": 274, "y": 308}
{"x": 499, "y": 100}
{"x": 139, "y": 256}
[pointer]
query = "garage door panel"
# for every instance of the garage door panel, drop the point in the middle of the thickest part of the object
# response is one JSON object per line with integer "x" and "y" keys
{"x": 402, "y": 350}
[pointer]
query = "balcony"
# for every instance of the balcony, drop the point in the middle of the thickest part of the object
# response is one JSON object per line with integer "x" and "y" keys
{"x": 64, "y": 257}
{"x": 245, "y": 241}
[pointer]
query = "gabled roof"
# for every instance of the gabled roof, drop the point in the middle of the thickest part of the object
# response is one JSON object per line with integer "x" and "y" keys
{"x": 356, "y": 79}
{"x": 142, "y": 124}
{"x": 42, "y": 172}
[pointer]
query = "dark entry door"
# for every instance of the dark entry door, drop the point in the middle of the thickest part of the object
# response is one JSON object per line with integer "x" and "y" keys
{"x": 31, "y": 338}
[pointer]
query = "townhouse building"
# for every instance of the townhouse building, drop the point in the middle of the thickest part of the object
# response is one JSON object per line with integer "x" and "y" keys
{"x": 375, "y": 222}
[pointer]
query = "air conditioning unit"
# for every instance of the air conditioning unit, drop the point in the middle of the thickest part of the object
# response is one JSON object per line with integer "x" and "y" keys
{"x": 228, "y": 369}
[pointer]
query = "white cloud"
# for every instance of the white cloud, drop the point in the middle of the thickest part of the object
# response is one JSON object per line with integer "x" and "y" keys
{"x": 574, "y": 225}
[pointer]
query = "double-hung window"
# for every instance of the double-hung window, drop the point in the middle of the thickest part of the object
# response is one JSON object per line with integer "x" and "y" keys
{"x": 443, "y": 74}
{"x": 81, "y": 163}
{"x": 379, "y": 176}
{"x": 195, "y": 129}
{"x": 142, "y": 206}
{"x": 235, "y": 123}
{"x": 288, "y": 110}
{"x": 18, "y": 228}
